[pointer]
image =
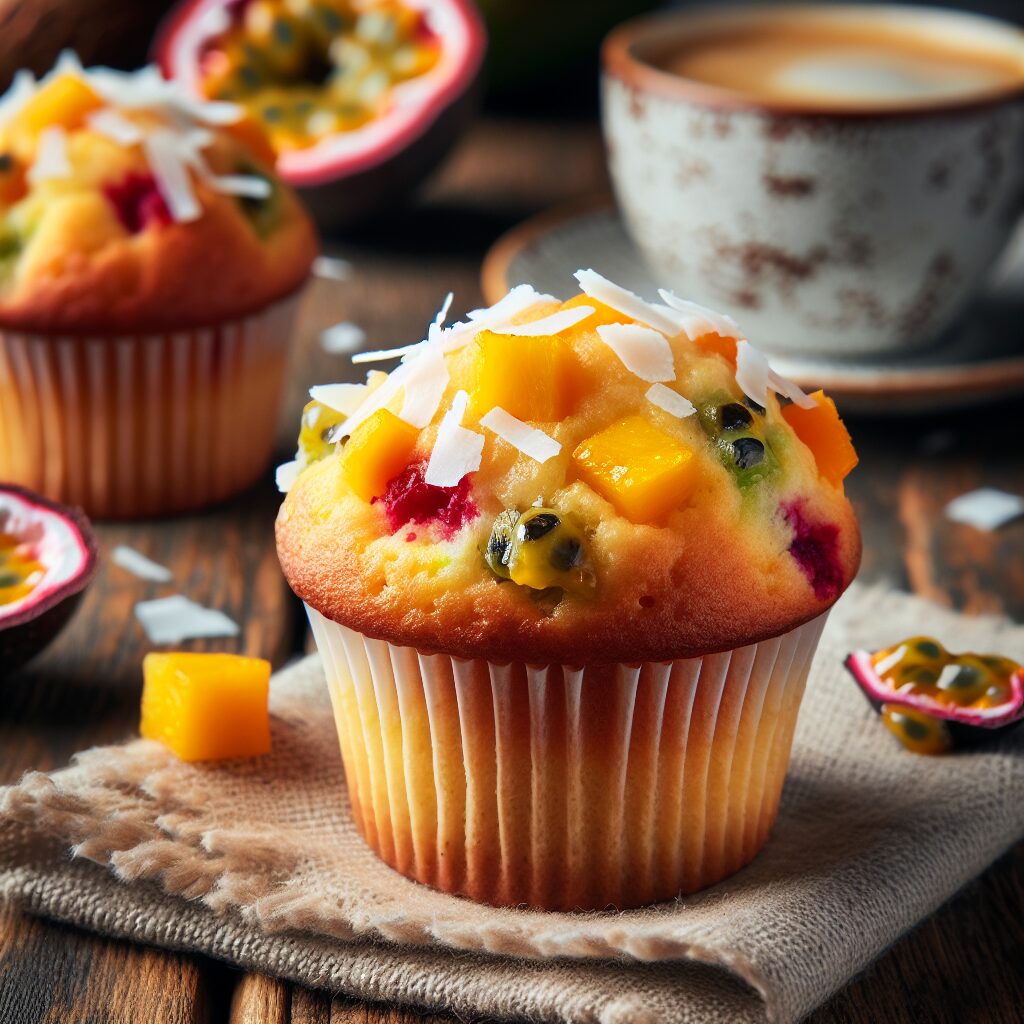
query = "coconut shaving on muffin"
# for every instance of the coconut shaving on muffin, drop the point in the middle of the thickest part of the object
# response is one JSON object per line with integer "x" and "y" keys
{"x": 604, "y": 479}
{"x": 121, "y": 199}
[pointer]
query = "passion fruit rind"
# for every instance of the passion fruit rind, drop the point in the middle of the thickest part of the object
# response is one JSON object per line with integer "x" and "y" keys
{"x": 966, "y": 725}
{"x": 28, "y": 625}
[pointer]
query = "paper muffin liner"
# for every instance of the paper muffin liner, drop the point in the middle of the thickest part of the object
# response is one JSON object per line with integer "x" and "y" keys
{"x": 129, "y": 426}
{"x": 565, "y": 787}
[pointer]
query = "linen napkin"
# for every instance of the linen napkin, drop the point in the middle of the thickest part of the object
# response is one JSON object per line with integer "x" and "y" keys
{"x": 258, "y": 862}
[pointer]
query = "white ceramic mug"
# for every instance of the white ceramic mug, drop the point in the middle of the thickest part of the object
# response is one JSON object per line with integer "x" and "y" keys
{"x": 825, "y": 232}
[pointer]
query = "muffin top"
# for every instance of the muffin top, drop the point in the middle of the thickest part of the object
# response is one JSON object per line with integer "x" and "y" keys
{"x": 600, "y": 480}
{"x": 127, "y": 206}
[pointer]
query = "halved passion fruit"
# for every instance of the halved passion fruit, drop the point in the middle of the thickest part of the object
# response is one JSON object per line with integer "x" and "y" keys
{"x": 47, "y": 559}
{"x": 360, "y": 98}
{"x": 934, "y": 701}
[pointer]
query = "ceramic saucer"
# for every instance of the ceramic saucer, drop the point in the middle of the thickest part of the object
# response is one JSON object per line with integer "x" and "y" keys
{"x": 981, "y": 362}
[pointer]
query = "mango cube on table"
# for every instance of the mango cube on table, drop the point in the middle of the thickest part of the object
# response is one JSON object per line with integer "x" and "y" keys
{"x": 641, "y": 470}
{"x": 206, "y": 707}
{"x": 532, "y": 378}
{"x": 378, "y": 450}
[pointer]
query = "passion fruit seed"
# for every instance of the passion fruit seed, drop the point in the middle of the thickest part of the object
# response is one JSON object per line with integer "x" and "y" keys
{"x": 540, "y": 549}
{"x": 738, "y": 434}
{"x": 734, "y": 416}
{"x": 748, "y": 452}
{"x": 918, "y": 732}
{"x": 317, "y": 436}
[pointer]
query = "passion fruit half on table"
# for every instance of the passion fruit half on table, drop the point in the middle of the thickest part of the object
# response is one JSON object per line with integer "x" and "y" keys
{"x": 47, "y": 559}
{"x": 934, "y": 701}
{"x": 360, "y": 98}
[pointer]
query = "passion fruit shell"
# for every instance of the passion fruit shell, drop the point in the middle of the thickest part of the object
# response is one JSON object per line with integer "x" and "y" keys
{"x": 966, "y": 725}
{"x": 349, "y": 176}
{"x": 66, "y": 546}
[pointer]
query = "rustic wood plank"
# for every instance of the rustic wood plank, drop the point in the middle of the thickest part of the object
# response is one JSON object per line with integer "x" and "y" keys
{"x": 85, "y": 690}
{"x": 258, "y": 999}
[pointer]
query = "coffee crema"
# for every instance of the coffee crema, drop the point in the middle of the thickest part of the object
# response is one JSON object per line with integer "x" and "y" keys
{"x": 821, "y": 63}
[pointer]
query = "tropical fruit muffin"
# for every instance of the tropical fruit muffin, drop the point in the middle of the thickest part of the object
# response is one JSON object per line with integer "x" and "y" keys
{"x": 567, "y": 566}
{"x": 150, "y": 263}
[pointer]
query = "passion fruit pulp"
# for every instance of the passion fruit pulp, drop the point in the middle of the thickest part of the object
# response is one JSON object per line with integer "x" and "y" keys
{"x": 360, "y": 100}
{"x": 933, "y": 700}
{"x": 47, "y": 559}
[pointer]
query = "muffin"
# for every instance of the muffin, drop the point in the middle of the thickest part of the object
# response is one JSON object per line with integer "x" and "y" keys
{"x": 567, "y": 567}
{"x": 150, "y": 264}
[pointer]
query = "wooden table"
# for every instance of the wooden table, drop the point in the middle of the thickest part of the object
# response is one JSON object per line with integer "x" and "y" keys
{"x": 962, "y": 966}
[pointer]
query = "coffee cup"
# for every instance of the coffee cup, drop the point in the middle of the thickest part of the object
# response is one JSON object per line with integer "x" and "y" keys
{"x": 840, "y": 179}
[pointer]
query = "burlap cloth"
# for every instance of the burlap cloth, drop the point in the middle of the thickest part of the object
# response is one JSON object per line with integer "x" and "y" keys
{"x": 259, "y": 863}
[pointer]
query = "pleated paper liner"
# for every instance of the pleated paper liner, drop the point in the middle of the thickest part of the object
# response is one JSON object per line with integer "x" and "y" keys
{"x": 564, "y": 787}
{"x": 135, "y": 426}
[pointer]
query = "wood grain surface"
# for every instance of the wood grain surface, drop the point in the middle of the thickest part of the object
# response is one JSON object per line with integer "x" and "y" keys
{"x": 963, "y": 966}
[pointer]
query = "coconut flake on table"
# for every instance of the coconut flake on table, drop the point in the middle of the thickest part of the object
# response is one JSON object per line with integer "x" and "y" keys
{"x": 457, "y": 451}
{"x": 986, "y": 508}
{"x": 755, "y": 377}
{"x": 625, "y": 301}
{"x": 286, "y": 474}
{"x": 343, "y": 398}
{"x": 170, "y": 620}
{"x": 116, "y": 127}
{"x": 529, "y": 440}
{"x": 332, "y": 268}
{"x": 342, "y": 338}
{"x": 642, "y": 350}
{"x": 671, "y": 401}
{"x": 696, "y": 320}
{"x": 139, "y": 565}
{"x": 51, "y": 156}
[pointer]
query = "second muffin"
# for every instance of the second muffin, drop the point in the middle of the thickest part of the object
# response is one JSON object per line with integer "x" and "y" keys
{"x": 150, "y": 263}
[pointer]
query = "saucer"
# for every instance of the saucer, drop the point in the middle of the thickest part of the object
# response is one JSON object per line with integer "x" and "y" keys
{"x": 983, "y": 361}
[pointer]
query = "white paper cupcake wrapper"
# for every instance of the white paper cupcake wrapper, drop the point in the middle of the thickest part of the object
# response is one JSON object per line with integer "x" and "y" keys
{"x": 132, "y": 426}
{"x": 565, "y": 787}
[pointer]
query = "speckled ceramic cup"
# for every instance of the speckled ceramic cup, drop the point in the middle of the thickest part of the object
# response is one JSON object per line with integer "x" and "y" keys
{"x": 831, "y": 232}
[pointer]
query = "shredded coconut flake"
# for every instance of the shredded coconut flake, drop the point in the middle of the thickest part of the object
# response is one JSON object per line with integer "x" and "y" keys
{"x": 247, "y": 186}
{"x": 139, "y": 565}
{"x": 343, "y": 398}
{"x": 756, "y": 377}
{"x": 671, "y": 401}
{"x": 625, "y": 301}
{"x": 986, "y": 508}
{"x": 695, "y": 320}
{"x": 170, "y": 620}
{"x": 643, "y": 350}
{"x": 529, "y": 440}
{"x": 457, "y": 451}
{"x": 425, "y": 387}
{"x": 115, "y": 126}
{"x": 51, "y": 156}
{"x": 554, "y": 324}
{"x": 342, "y": 339}
{"x": 172, "y": 178}
{"x": 517, "y": 301}
{"x": 286, "y": 474}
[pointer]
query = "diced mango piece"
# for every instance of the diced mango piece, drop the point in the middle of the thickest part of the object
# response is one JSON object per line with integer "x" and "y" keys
{"x": 826, "y": 435}
{"x": 206, "y": 707}
{"x": 642, "y": 471}
{"x": 602, "y": 314}
{"x": 65, "y": 101}
{"x": 13, "y": 185}
{"x": 377, "y": 452}
{"x": 532, "y": 378}
{"x": 720, "y": 345}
